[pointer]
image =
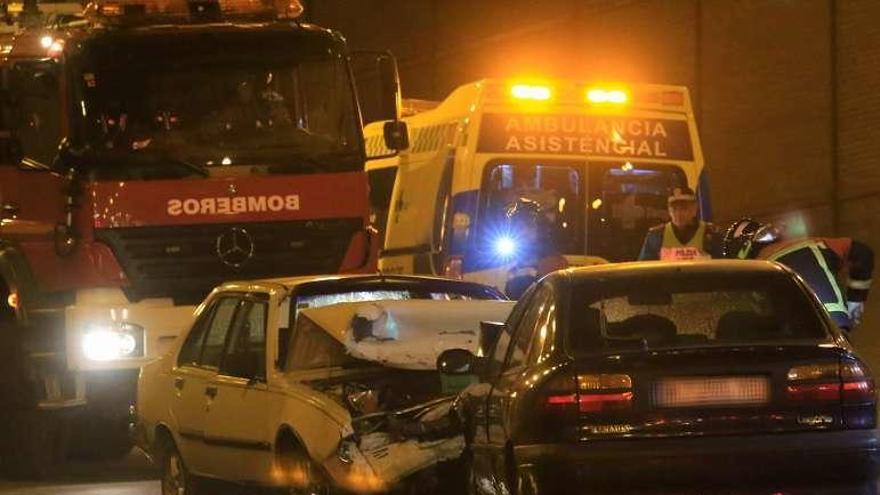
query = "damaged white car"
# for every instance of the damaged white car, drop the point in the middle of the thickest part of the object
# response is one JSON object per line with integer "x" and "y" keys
{"x": 312, "y": 384}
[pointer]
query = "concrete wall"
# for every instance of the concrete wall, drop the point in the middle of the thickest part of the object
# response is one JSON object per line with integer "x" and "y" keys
{"x": 786, "y": 90}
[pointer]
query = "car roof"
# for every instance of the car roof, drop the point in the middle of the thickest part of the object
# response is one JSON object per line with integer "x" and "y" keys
{"x": 345, "y": 281}
{"x": 677, "y": 268}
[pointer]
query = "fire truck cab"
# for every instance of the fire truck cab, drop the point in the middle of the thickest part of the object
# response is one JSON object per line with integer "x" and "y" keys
{"x": 152, "y": 151}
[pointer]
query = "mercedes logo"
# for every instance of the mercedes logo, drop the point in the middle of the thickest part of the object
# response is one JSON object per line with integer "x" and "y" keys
{"x": 235, "y": 247}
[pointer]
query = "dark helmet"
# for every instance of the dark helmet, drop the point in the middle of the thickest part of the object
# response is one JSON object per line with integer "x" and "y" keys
{"x": 745, "y": 237}
{"x": 524, "y": 212}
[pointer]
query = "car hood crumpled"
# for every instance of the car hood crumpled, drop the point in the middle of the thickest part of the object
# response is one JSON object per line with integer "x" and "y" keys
{"x": 407, "y": 334}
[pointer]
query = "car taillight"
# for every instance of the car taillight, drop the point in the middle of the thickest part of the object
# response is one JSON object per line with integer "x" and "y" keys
{"x": 814, "y": 392}
{"x": 846, "y": 382}
{"x": 857, "y": 392}
{"x": 858, "y": 386}
{"x": 593, "y": 393}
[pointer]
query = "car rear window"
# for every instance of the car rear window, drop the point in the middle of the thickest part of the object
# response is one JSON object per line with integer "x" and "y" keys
{"x": 682, "y": 311}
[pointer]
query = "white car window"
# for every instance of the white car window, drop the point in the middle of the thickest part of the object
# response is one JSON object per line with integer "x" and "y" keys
{"x": 215, "y": 340}
{"x": 246, "y": 353}
{"x": 192, "y": 347}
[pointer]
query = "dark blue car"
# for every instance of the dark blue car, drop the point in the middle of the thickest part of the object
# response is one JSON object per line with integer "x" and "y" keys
{"x": 665, "y": 374}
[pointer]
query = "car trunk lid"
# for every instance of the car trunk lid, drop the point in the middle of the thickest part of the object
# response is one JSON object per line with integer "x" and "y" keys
{"x": 723, "y": 390}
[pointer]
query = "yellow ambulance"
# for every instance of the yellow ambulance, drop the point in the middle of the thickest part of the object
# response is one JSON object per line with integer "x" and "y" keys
{"x": 601, "y": 158}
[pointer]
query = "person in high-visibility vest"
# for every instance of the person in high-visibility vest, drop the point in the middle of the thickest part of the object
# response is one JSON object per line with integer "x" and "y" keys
{"x": 685, "y": 237}
{"x": 827, "y": 265}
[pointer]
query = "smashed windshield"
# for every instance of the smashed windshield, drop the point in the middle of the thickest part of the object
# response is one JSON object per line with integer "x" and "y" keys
{"x": 251, "y": 105}
{"x": 673, "y": 311}
{"x": 321, "y": 300}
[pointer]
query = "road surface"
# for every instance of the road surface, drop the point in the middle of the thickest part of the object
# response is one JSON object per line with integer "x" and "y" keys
{"x": 135, "y": 476}
{"x": 132, "y": 476}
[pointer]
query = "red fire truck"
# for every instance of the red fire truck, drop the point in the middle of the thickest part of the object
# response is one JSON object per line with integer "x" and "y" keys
{"x": 153, "y": 150}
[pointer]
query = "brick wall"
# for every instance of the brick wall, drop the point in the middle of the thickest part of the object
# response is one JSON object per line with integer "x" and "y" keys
{"x": 761, "y": 72}
{"x": 858, "y": 117}
{"x": 766, "y": 96}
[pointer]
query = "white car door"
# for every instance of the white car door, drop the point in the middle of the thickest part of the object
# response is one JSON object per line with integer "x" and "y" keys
{"x": 198, "y": 363}
{"x": 238, "y": 433}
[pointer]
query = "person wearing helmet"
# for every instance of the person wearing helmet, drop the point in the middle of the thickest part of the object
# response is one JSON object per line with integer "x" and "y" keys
{"x": 823, "y": 263}
{"x": 685, "y": 237}
{"x": 538, "y": 253}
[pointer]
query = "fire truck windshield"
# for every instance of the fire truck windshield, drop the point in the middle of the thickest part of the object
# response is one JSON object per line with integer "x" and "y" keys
{"x": 208, "y": 106}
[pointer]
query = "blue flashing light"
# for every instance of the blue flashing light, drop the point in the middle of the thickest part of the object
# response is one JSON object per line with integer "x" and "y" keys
{"x": 505, "y": 247}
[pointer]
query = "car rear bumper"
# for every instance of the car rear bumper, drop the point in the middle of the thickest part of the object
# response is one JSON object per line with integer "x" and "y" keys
{"x": 827, "y": 454}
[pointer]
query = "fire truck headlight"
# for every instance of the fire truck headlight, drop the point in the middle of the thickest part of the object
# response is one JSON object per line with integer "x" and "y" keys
{"x": 107, "y": 342}
{"x": 505, "y": 246}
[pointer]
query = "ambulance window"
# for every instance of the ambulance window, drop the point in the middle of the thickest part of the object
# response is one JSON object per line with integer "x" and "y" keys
{"x": 557, "y": 188}
{"x": 37, "y": 122}
{"x": 625, "y": 201}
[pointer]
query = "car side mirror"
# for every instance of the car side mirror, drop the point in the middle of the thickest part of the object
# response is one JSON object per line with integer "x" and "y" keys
{"x": 489, "y": 333}
{"x": 396, "y": 135}
{"x": 384, "y": 71}
{"x": 456, "y": 362}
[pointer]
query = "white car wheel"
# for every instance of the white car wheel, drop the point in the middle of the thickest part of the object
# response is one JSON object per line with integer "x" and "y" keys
{"x": 304, "y": 476}
{"x": 176, "y": 480}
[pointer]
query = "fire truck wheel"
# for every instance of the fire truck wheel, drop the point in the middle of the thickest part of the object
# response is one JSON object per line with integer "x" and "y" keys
{"x": 33, "y": 445}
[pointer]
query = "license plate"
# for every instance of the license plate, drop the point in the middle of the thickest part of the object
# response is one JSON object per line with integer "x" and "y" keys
{"x": 712, "y": 391}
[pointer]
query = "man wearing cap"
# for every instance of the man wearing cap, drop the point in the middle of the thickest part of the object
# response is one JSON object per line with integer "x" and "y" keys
{"x": 685, "y": 237}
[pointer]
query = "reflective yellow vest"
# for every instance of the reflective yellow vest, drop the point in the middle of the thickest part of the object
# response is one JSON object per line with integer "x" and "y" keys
{"x": 779, "y": 251}
{"x": 673, "y": 249}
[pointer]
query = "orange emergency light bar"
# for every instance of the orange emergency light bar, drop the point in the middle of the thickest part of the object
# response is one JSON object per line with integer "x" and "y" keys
{"x": 532, "y": 92}
{"x": 602, "y": 95}
{"x": 608, "y": 96}
{"x": 119, "y": 10}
